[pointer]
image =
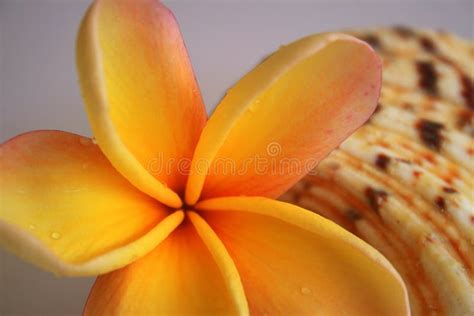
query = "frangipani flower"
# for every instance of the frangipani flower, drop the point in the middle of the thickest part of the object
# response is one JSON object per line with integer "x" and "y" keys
{"x": 193, "y": 239}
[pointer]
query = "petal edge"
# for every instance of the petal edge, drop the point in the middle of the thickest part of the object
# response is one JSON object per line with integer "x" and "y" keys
{"x": 223, "y": 261}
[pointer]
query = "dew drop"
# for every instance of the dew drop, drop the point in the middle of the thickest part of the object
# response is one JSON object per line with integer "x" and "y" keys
{"x": 94, "y": 141}
{"x": 305, "y": 291}
{"x": 85, "y": 141}
{"x": 55, "y": 235}
{"x": 32, "y": 227}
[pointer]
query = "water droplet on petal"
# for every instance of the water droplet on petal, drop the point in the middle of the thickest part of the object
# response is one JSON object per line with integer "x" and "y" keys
{"x": 94, "y": 141}
{"x": 32, "y": 226}
{"x": 55, "y": 235}
{"x": 305, "y": 291}
{"x": 85, "y": 141}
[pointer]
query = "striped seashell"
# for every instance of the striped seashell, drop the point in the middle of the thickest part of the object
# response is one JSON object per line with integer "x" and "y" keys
{"x": 404, "y": 181}
{"x": 437, "y": 62}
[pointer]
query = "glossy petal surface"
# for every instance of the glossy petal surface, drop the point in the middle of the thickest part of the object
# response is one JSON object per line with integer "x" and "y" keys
{"x": 66, "y": 209}
{"x": 179, "y": 277}
{"x": 143, "y": 102}
{"x": 279, "y": 120}
{"x": 292, "y": 261}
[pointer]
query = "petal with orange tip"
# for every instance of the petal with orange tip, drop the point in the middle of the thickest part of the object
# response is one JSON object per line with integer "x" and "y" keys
{"x": 179, "y": 277}
{"x": 64, "y": 208}
{"x": 284, "y": 116}
{"x": 292, "y": 261}
{"x": 141, "y": 96}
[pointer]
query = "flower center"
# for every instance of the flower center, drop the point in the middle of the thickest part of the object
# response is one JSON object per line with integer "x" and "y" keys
{"x": 185, "y": 207}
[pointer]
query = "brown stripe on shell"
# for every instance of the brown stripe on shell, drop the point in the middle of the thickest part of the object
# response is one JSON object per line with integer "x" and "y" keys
{"x": 467, "y": 91}
{"x": 375, "y": 198}
{"x": 441, "y": 203}
{"x": 465, "y": 121}
{"x": 353, "y": 215}
{"x": 378, "y": 108}
{"x": 430, "y": 133}
{"x": 408, "y": 106}
{"x": 428, "y": 78}
{"x": 403, "y": 31}
{"x": 382, "y": 161}
{"x": 427, "y": 44}
{"x": 372, "y": 40}
{"x": 449, "y": 190}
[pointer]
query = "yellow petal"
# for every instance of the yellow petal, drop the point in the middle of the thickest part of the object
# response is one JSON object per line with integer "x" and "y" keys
{"x": 294, "y": 262}
{"x": 64, "y": 208}
{"x": 179, "y": 277}
{"x": 143, "y": 102}
{"x": 279, "y": 120}
{"x": 223, "y": 261}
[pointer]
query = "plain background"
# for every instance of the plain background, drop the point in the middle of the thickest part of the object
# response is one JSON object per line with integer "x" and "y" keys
{"x": 38, "y": 85}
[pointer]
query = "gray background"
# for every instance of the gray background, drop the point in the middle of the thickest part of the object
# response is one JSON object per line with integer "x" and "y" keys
{"x": 38, "y": 86}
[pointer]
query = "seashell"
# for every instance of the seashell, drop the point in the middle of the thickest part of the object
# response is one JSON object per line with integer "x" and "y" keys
{"x": 404, "y": 181}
